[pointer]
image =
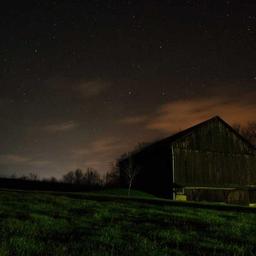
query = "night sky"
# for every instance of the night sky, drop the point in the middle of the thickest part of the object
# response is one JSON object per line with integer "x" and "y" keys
{"x": 83, "y": 82}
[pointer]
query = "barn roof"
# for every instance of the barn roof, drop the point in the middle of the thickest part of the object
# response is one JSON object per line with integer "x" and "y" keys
{"x": 173, "y": 138}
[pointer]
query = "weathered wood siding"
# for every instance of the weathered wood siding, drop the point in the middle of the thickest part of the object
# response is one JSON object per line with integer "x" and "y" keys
{"x": 233, "y": 196}
{"x": 213, "y": 155}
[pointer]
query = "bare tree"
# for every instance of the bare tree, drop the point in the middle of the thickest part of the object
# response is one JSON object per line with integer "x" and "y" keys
{"x": 113, "y": 176}
{"x": 33, "y": 176}
{"x": 237, "y": 128}
{"x": 23, "y": 177}
{"x": 248, "y": 131}
{"x": 78, "y": 176}
{"x": 13, "y": 176}
{"x": 50, "y": 179}
{"x": 69, "y": 177}
{"x": 53, "y": 179}
{"x": 131, "y": 171}
{"x": 91, "y": 177}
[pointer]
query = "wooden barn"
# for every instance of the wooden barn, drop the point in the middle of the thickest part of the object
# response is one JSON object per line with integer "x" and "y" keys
{"x": 209, "y": 161}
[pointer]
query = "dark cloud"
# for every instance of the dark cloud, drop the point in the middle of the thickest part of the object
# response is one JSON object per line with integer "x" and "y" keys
{"x": 93, "y": 88}
{"x": 61, "y": 127}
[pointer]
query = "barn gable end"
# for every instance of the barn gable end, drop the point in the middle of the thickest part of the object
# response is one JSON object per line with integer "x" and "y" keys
{"x": 214, "y": 135}
{"x": 213, "y": 154}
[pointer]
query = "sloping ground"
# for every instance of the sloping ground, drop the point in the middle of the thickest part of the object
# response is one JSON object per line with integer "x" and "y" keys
{"x": 123, "y": 192}
{"x": 45, "y": 224}
{"x": 120, "y": 195}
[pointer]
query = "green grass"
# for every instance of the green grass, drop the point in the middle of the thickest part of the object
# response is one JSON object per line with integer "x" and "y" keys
{"x": 123, "y": 192}
{"x": 34, "y": 223}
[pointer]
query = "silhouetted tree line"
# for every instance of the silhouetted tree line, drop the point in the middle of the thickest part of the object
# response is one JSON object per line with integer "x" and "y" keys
{"x": 76, "y": 180}
{"x": 89, "y": 178}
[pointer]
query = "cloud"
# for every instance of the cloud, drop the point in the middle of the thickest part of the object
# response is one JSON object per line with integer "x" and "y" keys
{"x": 185, "y": 113}
{"x": 99, "y": 154}
{"x": 92, "y": 88}
{"x": 134, "y": 119}
{"x": 40, "y": 163}
{"x": 13, "y": 159}
{"x": 100, "y": 146}
{"x": 61, "y": 127}
{"x": 180, "y": 114}
{"x": 77, "y": 88}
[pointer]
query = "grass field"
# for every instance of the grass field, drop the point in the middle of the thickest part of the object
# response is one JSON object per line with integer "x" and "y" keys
{"x": 123, "y": 192}
{"x": 34, "y": 223}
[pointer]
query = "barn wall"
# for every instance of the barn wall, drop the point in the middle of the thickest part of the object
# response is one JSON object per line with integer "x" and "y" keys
{"x": 214, "y": 156}
{"x": 197, "y": 168}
